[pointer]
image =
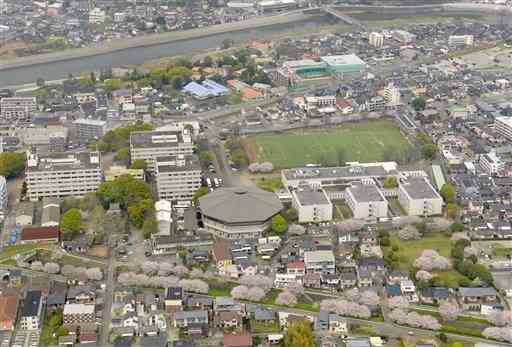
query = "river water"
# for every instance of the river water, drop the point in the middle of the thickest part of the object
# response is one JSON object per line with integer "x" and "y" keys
{"x": 131, "y": 56}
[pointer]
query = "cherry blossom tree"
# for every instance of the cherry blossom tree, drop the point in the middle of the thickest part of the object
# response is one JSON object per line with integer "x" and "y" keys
{"x": 352, "y": 294}
{"x": 266, "y": 167}
{"x": 423, "y": 275}
{"x": 196, "y": 273}
{"x": 409, "y": 232}
{"x": 240, "y": 292}
{"x": 296, "y": 229}
{"x": 431, "y": 260}
{"x": 196, "y": 286}
{"x": 165, "y": 269}
{"x": 352, "y": 309}
{"x": 459, "y": 236}
{"x": 256, "y": 294}
{"x": 94, "y": 273}
{"x": 406, "y": 220}
{"x": 180, "y": 270}
{"x": 349, "y": 225}
{"x": 449, "y": 310}
{"x": 150, "y": 268}
{"x": 263, "y": 282}
{"x": 36, "y": 266}
{"x": 254, "y": 167}
{"x": 369, "y": 298}
{"x": 414, "y": 319}
{"x": 286, "y": 298}
{"x": 52, "y": 268}
{"x": 501, "y": 318}
{"x": 328, "y": 305}
{"x": 470, "y": 251}
{"x": 399, "y": 302}
{"x": 500, "y": 334}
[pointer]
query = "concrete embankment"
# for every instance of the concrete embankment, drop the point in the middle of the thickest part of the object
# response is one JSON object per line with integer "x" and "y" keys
{"x": 153, "y": 40}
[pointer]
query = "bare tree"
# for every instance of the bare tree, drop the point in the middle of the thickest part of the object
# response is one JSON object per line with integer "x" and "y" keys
{"x": 286, "y": 298}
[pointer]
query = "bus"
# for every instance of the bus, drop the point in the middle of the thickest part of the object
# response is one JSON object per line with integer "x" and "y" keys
{"x": 208, "y": 182}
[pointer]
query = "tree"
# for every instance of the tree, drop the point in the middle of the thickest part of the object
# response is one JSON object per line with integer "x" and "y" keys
{"x": 500, "y": 334}
{"x": 431, "y": 260}
{"x": 239, "y": 292}
{"x": 399, "y": 302}
{"x": 451, "y": 210}
{"x": 423, "y": 275}
{"x": 457, "y": 227}
{"x": 205, "y": 157}
{"x": 123, "y": 155}
{"x": 449, "y": 311}
{"x": 139, "y": 212}
{"x": 112, "y": 84}
{"x": 418, "y": 103}
{"x": 202, "y": 191}
{"x": 139, "y": 164}
{"x": 89, "y": 202}
{"x": 227, "y": 43}
{"x": 341, "y": 156}
{"x": 256, "y": 294}
{"x": 448, "y": 193}
{"x": 94, "y": 274}
{"x": 299, "y": 334}
{"x": 149, "y": 227}
{"x": 286, "y": 298}
{"x": 429, "y": 150}
{"x": 296, "y": 229}
{"x": 12, "y": 164}
{"x": 369, "y": 298}
{"x": 390, "y": 182}
{"x": 52, "y": 268}
{"x": 410, "y": 232}
{"x": 279, "y": 224}
{"x": 70, "y": 223}
{"x": 291, "y": 215}
{"x": 239, "y": 157}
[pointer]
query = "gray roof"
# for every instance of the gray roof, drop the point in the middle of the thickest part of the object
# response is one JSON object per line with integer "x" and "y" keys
{"x": 310, "y": 196}
{"x": 51, "y": 213}
{"x": 339, "y": 172}
{"x": 477, "y": 291}
{"x": 146, "y": 139}
{"x": 420, "y": 188}
{"x": 201, "y": 314}
{"x": 366, "y": 193}
{"x": 67, "y": 161}
{"x": 240, "y": 205}
{"x": 164, "y": 164}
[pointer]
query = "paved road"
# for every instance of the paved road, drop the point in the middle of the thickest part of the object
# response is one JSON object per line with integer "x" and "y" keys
{"x": 108, "y": 298}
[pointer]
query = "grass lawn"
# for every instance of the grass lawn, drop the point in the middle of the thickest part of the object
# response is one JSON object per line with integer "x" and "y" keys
{"x": 410, "y": 250}
{"x": 270, "y": 184}
{"x": 501, "y": 251}
{"x": 260, "y": 328}
{"x": 364, "y": 142}
{"x": 11, "y": 251}
{"x": 220, "y": 288}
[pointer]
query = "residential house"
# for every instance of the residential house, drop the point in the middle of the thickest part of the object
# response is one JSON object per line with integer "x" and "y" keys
{"x": 296, "y": 268}
{"x": 79, "y": 316}
{"x": 8, "y": 311}
{"x": 183, "y": 319}
{"x": 31, "y": 311}
{"x": 228, "y": 319}
{"x": 435, "y": 295}
{"x": 472, "y": 299}
{"x": 319, "y": 261}
{"x": 199, "y": 303}
{"x": 173, "y": 299}
{"x": 243, "y": 339}
{"x": 222, "y": 256}
{"x": 348, "y": 277}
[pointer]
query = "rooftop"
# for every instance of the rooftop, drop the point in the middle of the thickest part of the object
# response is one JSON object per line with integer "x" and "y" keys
{"x": 310, "y": 196}
{"x": 87, "y": 121}
{"x": 63, "y": 161}
{"x": 39, "y": 233}
{"x": 348, "y": 59}
{"x": 342, "y": 172}
{"x": 366, "y": 193}
{"x": 156, "y": 139}
{"x": 78, "y": 309}
{"x": 177, "y": 163}
{"x": 8, "y": 308}
{"x": 32, "y": 302}
{"x": 420, "y": 188}
{"x": 318, "y": 256}
{"x": 240, "y": 205}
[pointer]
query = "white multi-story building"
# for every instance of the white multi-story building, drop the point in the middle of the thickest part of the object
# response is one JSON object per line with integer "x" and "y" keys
{"x": 313, "y": 102}
{"x": 419, "y": 198}
{"x": 97, "y": 16}
{"x": 90, "y": 129}
{"x": 17, "y": 109}
{"x": 376, "y": 39}
{"x": 392, "y": 95}
{"x": 491, "y": 164}
{"x": 461, "y": 40}
{"x": 63, "y": 174}
{"x": 149, "y": 145}
{"x": 403, "y": 36}
{"x": 312, "y": 204}
{"x": 3, "y": 197}
{"x": 366, "y": 201}
{"x": 177, "y": 177}
{"x": 31, "y": 312}
{"x": 503, "y": 126}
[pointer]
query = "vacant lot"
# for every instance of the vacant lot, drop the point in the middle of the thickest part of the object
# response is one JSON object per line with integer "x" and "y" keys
{"x": 363, "y": 142}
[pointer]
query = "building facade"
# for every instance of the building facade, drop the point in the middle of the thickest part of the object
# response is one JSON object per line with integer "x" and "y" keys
{"x": 177, "y": 177}
{"x": 376, "y": 39}
{"x": 31, "y": 311}
{"x": 63, "y": 174}
{"x": 88, "y": 129}
{"x": 419, "y": 198}
{"x": 17, "y": 110}
{"x": 366, "y": 201}
{"x": 312, "y": 204}
{"x": 503, "y": 126}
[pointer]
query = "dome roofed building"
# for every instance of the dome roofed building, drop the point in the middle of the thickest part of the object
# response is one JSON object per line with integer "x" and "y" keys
{"x": 239, "y": 213}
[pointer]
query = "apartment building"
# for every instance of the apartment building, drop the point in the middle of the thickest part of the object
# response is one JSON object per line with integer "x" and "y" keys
{"x": 3, "y": 197}
{"x": 177, "y": 177}
{"x": 78, "y": 315}
{"x": 312, "y": 204}
{"x": 461, "y": 40}
{"x": 376, "y": 39}
{"x": 392, "y": 95}
{"x": 419, "y": 198}
{"x": 366, "y": 201}
{"x": 90, "y": 129}
{"x": 149, "y": 145}
{"x": 319, "y": 262}
{"x": 491, "y": 164}
{"x": 503, "y": 126}
{"x": 31, "y": 311}
{"x": 183, "y": 319}
{"x": 15, "y": 110}
{"x": 63, "y": 174}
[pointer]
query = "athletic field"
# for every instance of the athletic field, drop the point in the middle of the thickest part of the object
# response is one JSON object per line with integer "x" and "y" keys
{"x": 363, "y": 142}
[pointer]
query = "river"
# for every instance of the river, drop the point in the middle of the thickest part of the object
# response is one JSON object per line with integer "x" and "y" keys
{"x": 134, "y": 56}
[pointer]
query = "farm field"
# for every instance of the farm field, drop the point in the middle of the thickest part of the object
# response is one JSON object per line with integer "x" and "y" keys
{"x": 363, "y": 142}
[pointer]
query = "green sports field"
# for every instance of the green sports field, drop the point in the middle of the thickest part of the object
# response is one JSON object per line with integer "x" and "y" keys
{"x": 363, "y": 142}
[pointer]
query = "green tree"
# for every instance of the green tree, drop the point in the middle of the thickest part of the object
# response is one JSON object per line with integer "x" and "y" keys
{"x": 89, "y": 202}
{"x": 291, "y": 215}
{"x": 40, "y": 82}
{"x": 239, "y": 157}
{"x": 279, "y": 224}
{"x": 390, "y": 182}
{"x": 299, "y": 334}
{"x": 70, "y": 223}
{"x": 12, "y": 164}
{"x": 456, "y": 226}
{"x": 205, "y": 157}
{"x": 448, "y": 193}
{"x": 202, "y": 191}
{"x": 418, "y": 103}
{"x": 125, "y": 190}
{"x": 429, "y": 150}
{"x": 123, "y": 155}
{"x": 112, "y": 84}
{"x": 149, "y": 227}
{"x": 139, "y": 211}
{"x": 69, "y": 203}
{"x": 139, "y": 164}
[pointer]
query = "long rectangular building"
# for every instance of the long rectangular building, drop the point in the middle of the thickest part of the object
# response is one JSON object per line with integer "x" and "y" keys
{"x": 419, "y": 198}
{"x": 63, "y": 174}
{"x": 17, "y": 109}
{"x": 149, "y": 145}
{"x": 503, "y": 126}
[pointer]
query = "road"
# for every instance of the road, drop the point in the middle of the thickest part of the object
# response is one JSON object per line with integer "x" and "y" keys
{"x": 108, "y": 296}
